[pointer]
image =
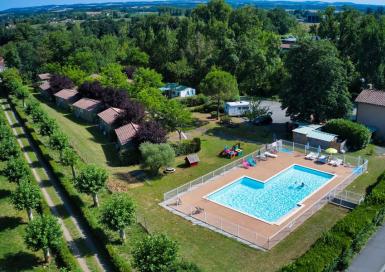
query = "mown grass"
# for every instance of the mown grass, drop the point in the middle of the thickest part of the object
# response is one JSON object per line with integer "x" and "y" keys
{"x": 14, "y": 255}
{"x": 210, "y": 250}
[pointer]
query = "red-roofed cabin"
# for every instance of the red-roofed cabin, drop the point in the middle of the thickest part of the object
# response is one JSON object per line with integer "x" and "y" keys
{"x": 126, "y": 134}
{"x": 44, "y": 87}
{"x": 87, "y": 109}
{"x": 371, "y": 111}
{"x": 192, "y": 160}
{"x": 108, "y": 118}
{"x": 66, "y": 97}
{"x": 46, "y": 76}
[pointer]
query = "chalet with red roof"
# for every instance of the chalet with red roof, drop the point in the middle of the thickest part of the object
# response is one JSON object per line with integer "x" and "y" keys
{"x": 126, "y": 134}
{"x": 108, "y": 118}
{"x": 87, "y": 109}
{"x": 66, "y": 97}
{"x": 371, "y": 111}
{"x": 46, "y": 76}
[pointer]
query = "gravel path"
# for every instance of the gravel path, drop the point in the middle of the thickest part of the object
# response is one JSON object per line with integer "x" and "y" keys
{"x": 49, "y": 176}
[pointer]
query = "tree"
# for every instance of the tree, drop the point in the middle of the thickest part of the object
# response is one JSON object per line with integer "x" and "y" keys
{"x": 155, "y": 253}
{"x": 69, "y": 158}
{"x": 152, "y": 99}
{"x": 91, "y": 180}
{"x": 26, "y": 197}
{"x": 8, "y": 148}
{"x": 175, "y": 117}
{"x": 281, "y": 20}
{"x": 48, "y": 126}
{"x": 147, "y": 78}
{"x": 219, "y": 85}
{"x": 151, "y": 131}
{"x": 16, "y": 169}
{"x": 118, "y": 213}
{"x": 256, "y": 109}
{"x": 22, "y": 92}
{"x": 154, "y": 156}
{"x": 58, "y": 141}
{"x": 59, "y": 82}
{"x": 134, "y": 111}
{"x": 112, "y": 76}
{"x": 317, "y": 86}
{"x": 43, "y": 233}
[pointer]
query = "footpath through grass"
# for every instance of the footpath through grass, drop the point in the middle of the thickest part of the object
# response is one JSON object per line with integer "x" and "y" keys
{"x": 209, "y": 250}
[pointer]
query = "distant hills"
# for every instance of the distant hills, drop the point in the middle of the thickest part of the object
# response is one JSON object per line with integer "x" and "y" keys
{"x": 266, "y": 4}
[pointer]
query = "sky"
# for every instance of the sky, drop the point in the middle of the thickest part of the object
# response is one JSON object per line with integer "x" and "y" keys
{"x": 6, "y": 4}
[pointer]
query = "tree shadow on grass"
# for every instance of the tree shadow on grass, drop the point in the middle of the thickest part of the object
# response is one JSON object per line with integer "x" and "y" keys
{"x": 8, "y": 222}
{"x": 4, "y": 193}
{"x": 19, "y": 261}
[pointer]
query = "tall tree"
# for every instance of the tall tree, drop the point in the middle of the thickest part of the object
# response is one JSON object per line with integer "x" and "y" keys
{"x": 91, "y": 180}
{"x": 43, "y": 233}
{"x": 154, "y": 156}
{"x": 317, "y": 87}
{"x": 118, "y": 213}
{"x": 175, "y": 117}
{"x": 219, "y": 85}
{"x": 26, "y": 197}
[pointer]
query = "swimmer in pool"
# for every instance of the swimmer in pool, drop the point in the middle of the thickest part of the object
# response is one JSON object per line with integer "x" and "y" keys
{"x": 302, "y": 185}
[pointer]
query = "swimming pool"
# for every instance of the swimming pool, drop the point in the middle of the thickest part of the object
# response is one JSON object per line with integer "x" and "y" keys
{"x": 270, "y": 201}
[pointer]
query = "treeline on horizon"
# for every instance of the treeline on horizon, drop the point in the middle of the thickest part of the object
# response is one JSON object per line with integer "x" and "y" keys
{"x": 244, "y": 42}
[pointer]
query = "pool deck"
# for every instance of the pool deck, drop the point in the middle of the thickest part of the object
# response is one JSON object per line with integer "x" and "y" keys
{"x": 250, "y": 226}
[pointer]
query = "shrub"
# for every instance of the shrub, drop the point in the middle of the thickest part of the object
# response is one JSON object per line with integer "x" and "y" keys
{"x": 357, "y": 135}
{"x": 151, "y": 131}
{"x": 193, "y": 101}
{"x": 186, "y": 147}
{"x": 155, "y": 156}
{"x": 8, "y": 148}
{"x": 225, "y": 120}
{"x": 16, "y": 169}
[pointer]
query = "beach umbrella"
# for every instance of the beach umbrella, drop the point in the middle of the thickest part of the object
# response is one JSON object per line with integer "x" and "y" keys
{"x": 307, "y": 147}
{"x": 331, "y": 151}
{"x": 319, "y": 149}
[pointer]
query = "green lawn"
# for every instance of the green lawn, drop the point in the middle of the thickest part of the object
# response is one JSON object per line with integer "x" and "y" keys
{"x": 210, "y": 250}
{"x": 14, "y": 256}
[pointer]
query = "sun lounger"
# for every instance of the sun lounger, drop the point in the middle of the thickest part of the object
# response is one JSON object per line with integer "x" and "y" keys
{"x": 311, "y": 156}
{"x": 251, "y": 162}
{"x": 245, "y": 164}
{"x": 322, "y": 159}
{"x": 336, "y": 162}
{"x": 271, "y": 155}
{"x": 261, "y": 157}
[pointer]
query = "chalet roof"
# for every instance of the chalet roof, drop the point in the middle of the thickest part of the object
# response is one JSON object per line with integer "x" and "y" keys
{"x": 45, "y": 85}
{"x": 126, "y": 133}
{"x": 87, "y": 104}
{"x": 371, "y": 96}
{"x": 192, "y": 158}
{"x": 45, "y": 76}
{"x": 66, "y": 94}
{"x": 110, "y": 115}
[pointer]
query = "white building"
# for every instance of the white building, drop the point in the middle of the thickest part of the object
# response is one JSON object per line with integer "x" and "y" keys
{"x": 174, "y": 90}
{"x": 237, "y": 108}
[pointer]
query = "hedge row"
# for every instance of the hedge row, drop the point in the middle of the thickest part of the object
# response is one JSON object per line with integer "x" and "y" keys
{"x": 357, "y": 135}
{"x": 187, "y": 146}
{"x": 64, "y": 257}
{"x": 81, "y": 208}
{"x": 336, "y": 248}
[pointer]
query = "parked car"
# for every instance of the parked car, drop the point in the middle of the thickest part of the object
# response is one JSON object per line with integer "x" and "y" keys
{"x": 263, "y": 120}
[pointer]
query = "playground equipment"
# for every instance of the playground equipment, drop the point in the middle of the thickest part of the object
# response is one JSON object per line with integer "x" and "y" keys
{"x": 232, "y": 152}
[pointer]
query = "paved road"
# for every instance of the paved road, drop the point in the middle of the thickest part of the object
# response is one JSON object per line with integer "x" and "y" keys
{"x": 279, "y": 115}
{"x": 372, "y": 257}
{"x": 102, "y": 265}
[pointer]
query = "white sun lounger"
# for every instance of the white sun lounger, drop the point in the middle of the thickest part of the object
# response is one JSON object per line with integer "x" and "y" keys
{"x": 311, "y": 156}
{"x": 271, "y": 155}
{"x": 336, "y": 162}
{"x": 322, "y": 159}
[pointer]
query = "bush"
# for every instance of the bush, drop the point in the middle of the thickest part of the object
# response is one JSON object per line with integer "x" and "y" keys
{"x": 193, "y": 101}
{"x": 357, "y": 135}
{"x": 154, "y": 156}
{"x": 226, "y": 120}
{"x": 187, "y": 147}
{"x": 8, "y": 148}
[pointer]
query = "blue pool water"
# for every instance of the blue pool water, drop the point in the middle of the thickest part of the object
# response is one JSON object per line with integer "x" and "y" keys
{"x": 271, "y": 200}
